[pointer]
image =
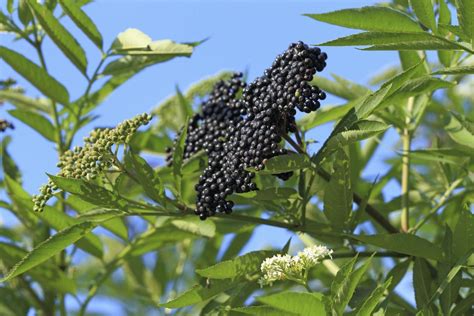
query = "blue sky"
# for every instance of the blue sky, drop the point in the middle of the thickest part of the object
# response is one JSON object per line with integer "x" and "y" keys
{"x": 244, "y": 35}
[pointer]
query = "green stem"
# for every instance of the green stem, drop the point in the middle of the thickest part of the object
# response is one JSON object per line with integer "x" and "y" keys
{"x": 405, "y": 178}
{"x": 438, "y": 205}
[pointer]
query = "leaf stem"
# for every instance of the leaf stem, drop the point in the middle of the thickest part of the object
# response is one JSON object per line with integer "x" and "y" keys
{"x": 405, "y": 178}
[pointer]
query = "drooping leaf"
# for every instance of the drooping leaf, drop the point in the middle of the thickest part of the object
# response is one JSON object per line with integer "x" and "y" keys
{"x": 403, "y": 243}
{"x": 36, "y": 75}
{"x": 370, "y": 18}
{"x": 81, "y": 19}
{"x": 238, "y": 267}
{"x": 296, "y": 302}
{"x": 36, "y": 121}
{"x": 60, "y": 35}
{"x": 48, "y": 248}
{"x": 338, "y": 192}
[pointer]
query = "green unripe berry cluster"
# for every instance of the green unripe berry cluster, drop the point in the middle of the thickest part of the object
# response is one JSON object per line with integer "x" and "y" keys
{"x": 95, "y": 156}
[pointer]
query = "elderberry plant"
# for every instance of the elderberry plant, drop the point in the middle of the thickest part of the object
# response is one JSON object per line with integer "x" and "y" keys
{"x": 374, "y": 188}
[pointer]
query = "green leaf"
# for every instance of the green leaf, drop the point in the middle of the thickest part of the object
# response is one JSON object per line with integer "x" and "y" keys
{"x": 60, "y": 36}
{"x": 285, "y": 163}
{"x": 204, "y": 86}
{"x": 82, "y": 21}
{"x": 444, "y": 155}
{"x": 270, "y": 194}
{"x": 128, "y": 66}
{"x": 146, "y": 176}
{"x": 90, "y": 192}
{"x": 135, "y": 42}
{"x": 362, "y": 130}
{"x": 115, "y": 225}
{"x": 22, "y": 102}
{"x": 342, "y": 88}
{"x": 195, "y": 226}
{"x": 260, "y": 311}
{"x": 131, "y": 39}
{"x": 178, "y": 156}
{"x": 422, "y": 282}
{"x": 432, "y": 44}
{"x": 198, "y": 294}
{"x": 463, "y": 232}
{"x": 48, "y": 274}
{"x": 247, "y": 264}
{"x": 370, "y": 18}
{"x": 459, "y": 130}
{"x": 403, "y": 243}
{"x": 36, "y": 75}
{"x": 295, "y": 302}
{"x": 37, "y": 122}
{"x": 424, "y": 12}
{"x": 9, "y": 166}
{"x": 449, "y": 277}
{"x": 24, "y": 13}
{"x": 460, "y": 70}
{"x": 338, "y": 192}
{"x": 392, "y": 40}
{"x": 361, "y": 110}
{"x": 463, "y": 306}
{"x": 345, "y": 283}
{"x": 49, "y": 248}
{"x": 465, "y": 9}
{"x": 322, "y": 116}
{"x": 422, "y": 85}
{"x": 369, "y": 305}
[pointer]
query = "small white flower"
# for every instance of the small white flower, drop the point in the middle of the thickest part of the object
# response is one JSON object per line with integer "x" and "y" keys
{"x": 283, "y": 267}
{"x": 311, "y": 256}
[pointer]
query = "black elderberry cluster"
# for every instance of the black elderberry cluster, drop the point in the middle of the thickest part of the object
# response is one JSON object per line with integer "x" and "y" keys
{"x": 248, "y": 130}
{"x": 220, "y": 111}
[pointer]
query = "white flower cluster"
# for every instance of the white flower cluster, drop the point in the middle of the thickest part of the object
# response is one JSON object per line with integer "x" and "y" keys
{"x": 286, "y": 267}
